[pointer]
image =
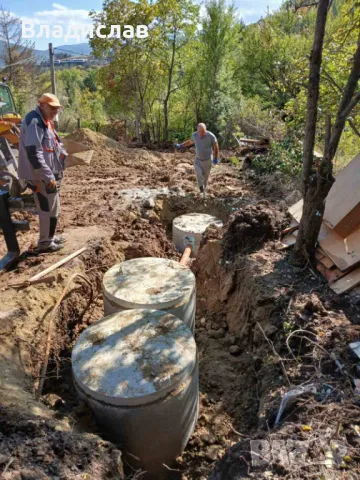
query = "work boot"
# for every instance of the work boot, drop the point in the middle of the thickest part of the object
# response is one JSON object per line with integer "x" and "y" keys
{"x": 202, "y": 192}
{"x": 52, "y": 248}
{"x": 60, "y": 240}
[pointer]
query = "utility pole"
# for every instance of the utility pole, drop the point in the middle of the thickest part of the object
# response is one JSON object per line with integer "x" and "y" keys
{"x": 53, "y": 80}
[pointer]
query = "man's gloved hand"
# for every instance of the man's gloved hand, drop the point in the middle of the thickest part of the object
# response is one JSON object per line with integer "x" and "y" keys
{"x": 178, "y": 146}
{"x": 215, "y": 161}
{"x": 51, "y": 187}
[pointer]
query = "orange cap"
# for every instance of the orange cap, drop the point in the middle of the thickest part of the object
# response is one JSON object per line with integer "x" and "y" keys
{"x": 50, "y": 99}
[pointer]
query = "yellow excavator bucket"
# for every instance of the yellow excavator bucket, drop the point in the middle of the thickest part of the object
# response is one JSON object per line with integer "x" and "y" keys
{"x": 9, "y": 131}
{"x": 12, "y": 117}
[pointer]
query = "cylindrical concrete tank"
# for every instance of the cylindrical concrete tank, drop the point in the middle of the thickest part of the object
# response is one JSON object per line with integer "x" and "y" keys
{"x": 138, "y": 372}
{"x": 188, "y": 230}
{"x": 154, "y": 283}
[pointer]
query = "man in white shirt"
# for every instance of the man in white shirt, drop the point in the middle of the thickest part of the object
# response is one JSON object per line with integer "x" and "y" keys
{"x": 207, "y": 153}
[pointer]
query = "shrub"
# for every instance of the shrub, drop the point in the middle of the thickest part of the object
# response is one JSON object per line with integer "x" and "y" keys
{"x": 284, "y": 156}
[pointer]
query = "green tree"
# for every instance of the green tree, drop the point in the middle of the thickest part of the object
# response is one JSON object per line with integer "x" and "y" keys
{"x": 317, "y": 182}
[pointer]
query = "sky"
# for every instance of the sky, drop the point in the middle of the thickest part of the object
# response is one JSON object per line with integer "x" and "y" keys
{"x": 75, "y": 12}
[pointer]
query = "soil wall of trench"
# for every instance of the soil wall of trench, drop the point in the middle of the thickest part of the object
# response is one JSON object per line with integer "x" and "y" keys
{"x": 62, "y": 441}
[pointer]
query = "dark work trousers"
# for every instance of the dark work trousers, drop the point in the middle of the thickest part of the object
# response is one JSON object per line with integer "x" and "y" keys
{"x": 47, "y": 201}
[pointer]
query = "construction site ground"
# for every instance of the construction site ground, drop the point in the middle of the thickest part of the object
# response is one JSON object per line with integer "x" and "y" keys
{"x": 263, "y": 327}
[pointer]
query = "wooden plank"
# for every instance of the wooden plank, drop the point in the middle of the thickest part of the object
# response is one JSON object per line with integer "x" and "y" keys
{"x": 347, "y": 282}
{"x": 290, "y": 229}
{"x": 343, "y": 252}
{"x": 327, "y": 262}
{"x": 331, "y": 275}
{"x": 296, "y": 210}
{"x": 288, "y": 241}
{"x": 56, "y": 265}
{"x": 319, "y": 255}
{"x": 344, "y": 195}
{"x": 81, "y": 158}
{"x": 28, "y": 283}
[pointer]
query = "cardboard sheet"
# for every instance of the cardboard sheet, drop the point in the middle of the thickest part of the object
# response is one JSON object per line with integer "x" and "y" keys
{"x": 344, "y": 198}
{"x": 343, "y": 252}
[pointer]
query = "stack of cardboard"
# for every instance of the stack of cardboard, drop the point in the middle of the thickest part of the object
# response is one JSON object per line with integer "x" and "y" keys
{"x": 338, "y": 253}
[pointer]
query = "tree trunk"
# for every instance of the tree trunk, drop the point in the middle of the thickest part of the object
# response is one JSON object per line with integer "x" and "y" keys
{"x": 170, "y": 77}
{"x": 317, "y": 186}
{"x": 166, "y": 120}
{"x": 314, "y": 193}
{"x": 137, "y": 119}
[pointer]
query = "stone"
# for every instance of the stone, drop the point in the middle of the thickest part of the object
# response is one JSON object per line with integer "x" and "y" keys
{"x": 203, "y": 322}
{"x": 234, "y": 349}
{"x": 212, "y": 453}
{"x": 149, "y": 203}
{"x": 260, "y": 453}
{"x": 220, "y": 333}
{"x": 230, "y": 339}
{"x": 153, "y": 218}
{"x": 207, "y": 438}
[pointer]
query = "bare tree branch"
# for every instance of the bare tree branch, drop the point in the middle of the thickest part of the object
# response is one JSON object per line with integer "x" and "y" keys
{"x": 353, "y": 127}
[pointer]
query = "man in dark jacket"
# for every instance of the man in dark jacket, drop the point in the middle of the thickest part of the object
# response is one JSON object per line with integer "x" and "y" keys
{"x": 41, "y": 164}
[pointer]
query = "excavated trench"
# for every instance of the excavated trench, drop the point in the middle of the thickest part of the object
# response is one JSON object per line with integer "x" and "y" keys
{"x": 233, "y": 296}
{"x": 230, "y": 302}
{"x": 245, "y": 294}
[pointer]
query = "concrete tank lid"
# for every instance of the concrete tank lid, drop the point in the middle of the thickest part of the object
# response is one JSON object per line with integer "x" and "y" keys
{"x": 133, "y": 357}
{"x": 196, "y": 222}
{"x": 148, "y": 283}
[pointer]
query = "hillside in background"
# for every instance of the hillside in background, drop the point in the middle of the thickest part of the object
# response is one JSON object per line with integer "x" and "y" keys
{"x": 43, "y": 55}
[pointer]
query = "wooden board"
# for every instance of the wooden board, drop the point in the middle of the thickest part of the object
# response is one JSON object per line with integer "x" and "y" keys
{"x": 296, "y": 210}
{"x": 319, "y": 255}
{"x": 344, "y": 195}
{"x": 331, "y": 275}
{"x": 325, "y": 260}
{"x": 288, "y": 241}
{"x": 81, "y": 158}
{"x": 343, "y": 252}
{"x": 78, "y": 153}
{"x": 347, "y": 282}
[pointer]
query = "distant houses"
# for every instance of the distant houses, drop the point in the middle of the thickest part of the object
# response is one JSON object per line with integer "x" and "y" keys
{"x": 71, "y": 61}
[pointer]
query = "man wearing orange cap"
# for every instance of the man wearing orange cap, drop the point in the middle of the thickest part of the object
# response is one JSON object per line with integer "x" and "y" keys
{"x": 41, "y": 164}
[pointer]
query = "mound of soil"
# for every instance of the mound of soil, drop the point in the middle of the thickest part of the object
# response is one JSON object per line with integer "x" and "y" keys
{"x": 144, "y": 239}
{"x": 109, "y": 152}
{"x": 250, "y": 227}
{"x": 94, "y": 139}
{"x": 39, "y": 450}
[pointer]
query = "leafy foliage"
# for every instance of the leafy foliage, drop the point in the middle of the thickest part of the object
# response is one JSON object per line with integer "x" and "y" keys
{"x": 209, "y": 67}
{"x": 284, "y": 156}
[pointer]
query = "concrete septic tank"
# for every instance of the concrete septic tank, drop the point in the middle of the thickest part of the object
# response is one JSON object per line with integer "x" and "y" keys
{"x": 138, "y": 372}
{"x": 154, "y": 283}
{"x": 188, "y": 230}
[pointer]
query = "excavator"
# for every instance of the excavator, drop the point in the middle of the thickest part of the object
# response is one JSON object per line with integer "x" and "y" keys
{"x": 10, "y": 122}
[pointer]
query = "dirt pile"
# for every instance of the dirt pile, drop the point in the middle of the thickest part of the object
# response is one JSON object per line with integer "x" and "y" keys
{"x": 94, "y": 140}
{"x": 250, "y": 227}
{"x": 144, "y": 238}
{"x": 109, "y": 152}
{"x": 39, "y": 450}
